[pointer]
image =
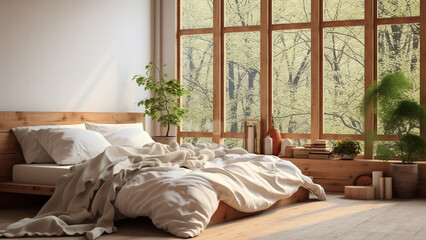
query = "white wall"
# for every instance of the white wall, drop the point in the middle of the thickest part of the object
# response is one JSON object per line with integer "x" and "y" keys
{"x": 165, "y": 45}
{"x": 73, "y": 55}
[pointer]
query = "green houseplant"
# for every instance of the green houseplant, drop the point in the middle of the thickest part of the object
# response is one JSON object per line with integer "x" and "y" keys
{"x": 401, "y": 116}
{"x": 347, "y": 149}
{"x": 163, "y": 105}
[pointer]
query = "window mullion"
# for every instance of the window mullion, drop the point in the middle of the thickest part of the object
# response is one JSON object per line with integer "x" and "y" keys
{"x": 265, "y": 95}
{"x": 217, "y": 72}
{"x": 423, "y": 63}
{"x": 369, "y": 72}
{"x": 316, "y": 65}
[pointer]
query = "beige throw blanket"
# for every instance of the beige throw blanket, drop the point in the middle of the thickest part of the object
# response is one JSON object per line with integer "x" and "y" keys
{"x": 83, "y": 202}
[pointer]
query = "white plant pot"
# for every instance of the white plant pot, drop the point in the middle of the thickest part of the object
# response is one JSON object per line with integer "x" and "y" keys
{"x": 347, "y": 157}
{"x": 164, "y": 139}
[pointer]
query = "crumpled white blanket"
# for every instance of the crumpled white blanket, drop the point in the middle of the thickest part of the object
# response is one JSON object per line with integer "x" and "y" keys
{"x": 183, "y": 201}
{"x": 83, "y": 202}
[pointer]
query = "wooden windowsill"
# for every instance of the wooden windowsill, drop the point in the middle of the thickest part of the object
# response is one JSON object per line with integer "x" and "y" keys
{"x": 349, "y": 161}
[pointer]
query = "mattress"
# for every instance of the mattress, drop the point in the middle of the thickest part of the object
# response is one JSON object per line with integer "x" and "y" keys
{"x": 39, "y": 173}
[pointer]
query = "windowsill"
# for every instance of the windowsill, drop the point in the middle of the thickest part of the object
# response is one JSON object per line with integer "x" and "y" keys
{"x": 349, "y": 161}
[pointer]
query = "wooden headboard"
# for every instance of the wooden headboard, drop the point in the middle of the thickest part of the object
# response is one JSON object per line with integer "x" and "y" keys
{"x": 10, "y": 150}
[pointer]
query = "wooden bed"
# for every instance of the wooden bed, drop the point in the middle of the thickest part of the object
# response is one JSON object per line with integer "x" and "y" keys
{"x": 11, "y": 154}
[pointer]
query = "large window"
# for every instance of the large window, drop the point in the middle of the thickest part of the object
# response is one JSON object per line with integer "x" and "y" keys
{"x": 305, "y": 63}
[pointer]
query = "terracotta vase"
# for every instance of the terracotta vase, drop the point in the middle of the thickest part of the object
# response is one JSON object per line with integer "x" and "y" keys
{"x": 274, "y": 133}
{"x": 405, "y": 178}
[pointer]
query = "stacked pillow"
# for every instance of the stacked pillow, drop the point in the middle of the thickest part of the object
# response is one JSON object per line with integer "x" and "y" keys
{"x": 33, "y": 151}
{"x": 131, "y": 134}
{"x": 71, "y": 144}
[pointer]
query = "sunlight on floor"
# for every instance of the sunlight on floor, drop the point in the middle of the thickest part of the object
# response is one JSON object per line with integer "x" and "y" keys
{"x": 294, "y": 217}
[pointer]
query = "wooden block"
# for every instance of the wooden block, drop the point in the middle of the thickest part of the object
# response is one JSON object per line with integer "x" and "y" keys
{"x": 289, "y": 151}
{"x": 359, "y": 192}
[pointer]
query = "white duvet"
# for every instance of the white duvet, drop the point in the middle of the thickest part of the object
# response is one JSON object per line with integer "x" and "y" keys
{"x": 178, "y": 187}
{"x": 182, "y": 201}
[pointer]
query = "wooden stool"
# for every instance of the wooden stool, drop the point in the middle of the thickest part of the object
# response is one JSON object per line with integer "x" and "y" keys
{"x": 359, "y": 192}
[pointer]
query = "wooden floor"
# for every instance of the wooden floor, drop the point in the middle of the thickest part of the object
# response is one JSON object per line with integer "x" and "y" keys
{"x": 336, "y": 218}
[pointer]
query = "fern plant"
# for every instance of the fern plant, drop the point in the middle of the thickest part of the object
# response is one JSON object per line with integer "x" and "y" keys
{"x": 347, "y": 147}
{"x": 400, "y": 115}
{"x": 163, "y": 106}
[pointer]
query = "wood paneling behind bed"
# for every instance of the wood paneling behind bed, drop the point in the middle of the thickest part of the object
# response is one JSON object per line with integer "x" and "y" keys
{"x": 10, "y": 151}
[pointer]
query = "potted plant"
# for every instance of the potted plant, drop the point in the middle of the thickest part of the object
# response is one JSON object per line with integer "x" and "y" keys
{"x": 163, "y": 105}
{"x": 400, "y": 116}
{"x": 347, "y": 149}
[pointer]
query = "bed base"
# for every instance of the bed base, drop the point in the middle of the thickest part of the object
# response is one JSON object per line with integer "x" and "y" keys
{"x": 224, "y": 212}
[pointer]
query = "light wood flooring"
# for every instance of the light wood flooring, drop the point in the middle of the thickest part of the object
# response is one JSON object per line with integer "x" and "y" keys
{"x": 336, "y": 218}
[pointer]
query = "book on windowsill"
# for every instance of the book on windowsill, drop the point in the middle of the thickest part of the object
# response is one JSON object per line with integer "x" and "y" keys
{"x": 320, "y": 149}
{"x": 320, "y": 152}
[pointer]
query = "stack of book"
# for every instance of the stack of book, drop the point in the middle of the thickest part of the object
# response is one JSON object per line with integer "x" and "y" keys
{"x": 301, "y": 152}
{"x": 315, "y": 150}
{"x": 319, "y": 150}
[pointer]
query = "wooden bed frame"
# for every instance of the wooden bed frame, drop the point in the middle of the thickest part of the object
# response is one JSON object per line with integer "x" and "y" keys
{"x": 11, "y": 154}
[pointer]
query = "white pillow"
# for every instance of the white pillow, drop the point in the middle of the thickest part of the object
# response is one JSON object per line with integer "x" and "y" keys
{"x": 33, "y": 151}
{"x": 133, "y": 137}
{"x": 106, "y": 129}
{"x": 70, "y": 146}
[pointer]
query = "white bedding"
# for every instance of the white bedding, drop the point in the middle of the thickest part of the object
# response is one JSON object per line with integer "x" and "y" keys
{"x": 87, "y": 199}
{"x": 182, "y": 201}
{"x": 47, "y": 174}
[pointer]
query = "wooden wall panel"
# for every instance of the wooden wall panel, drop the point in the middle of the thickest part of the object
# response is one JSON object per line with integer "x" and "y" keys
{"x": 10, "y": 120}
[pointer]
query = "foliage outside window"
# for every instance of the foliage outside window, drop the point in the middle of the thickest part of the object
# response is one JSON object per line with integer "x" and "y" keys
{"x": 342, "y": 81}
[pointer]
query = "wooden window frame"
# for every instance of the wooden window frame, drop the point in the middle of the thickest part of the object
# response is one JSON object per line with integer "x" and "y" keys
{"x": 266, "y": 28}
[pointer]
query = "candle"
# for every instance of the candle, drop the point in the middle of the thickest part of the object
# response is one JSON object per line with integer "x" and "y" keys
{"x": 284, "y": 143}
{"x": 268, "y": 145}
{"x": 250, "y": 139}
{"x": 376, "y": 183}
{"x": 388, "y": 188}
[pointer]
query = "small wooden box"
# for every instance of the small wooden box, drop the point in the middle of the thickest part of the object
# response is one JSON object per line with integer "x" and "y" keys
{"x": 359, "y": 192}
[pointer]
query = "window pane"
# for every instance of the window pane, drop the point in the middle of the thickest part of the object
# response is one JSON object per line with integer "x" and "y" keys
{"x": 291, "y": 11}
{"x": 343, "y": 80}
{"x": 194, "y": 141}
{"x": 336, "y": 10}
{"x": 398, "y": 8}
{"x": 242, "y": 79}
{"x": 398, "y": 49}
{"x": 234, "y": 142}
{"x": 197, "y": 14}
{"x": 242, "y": 13}
{"x": 197, "y": 78}
{"x": 292, "y": 81}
